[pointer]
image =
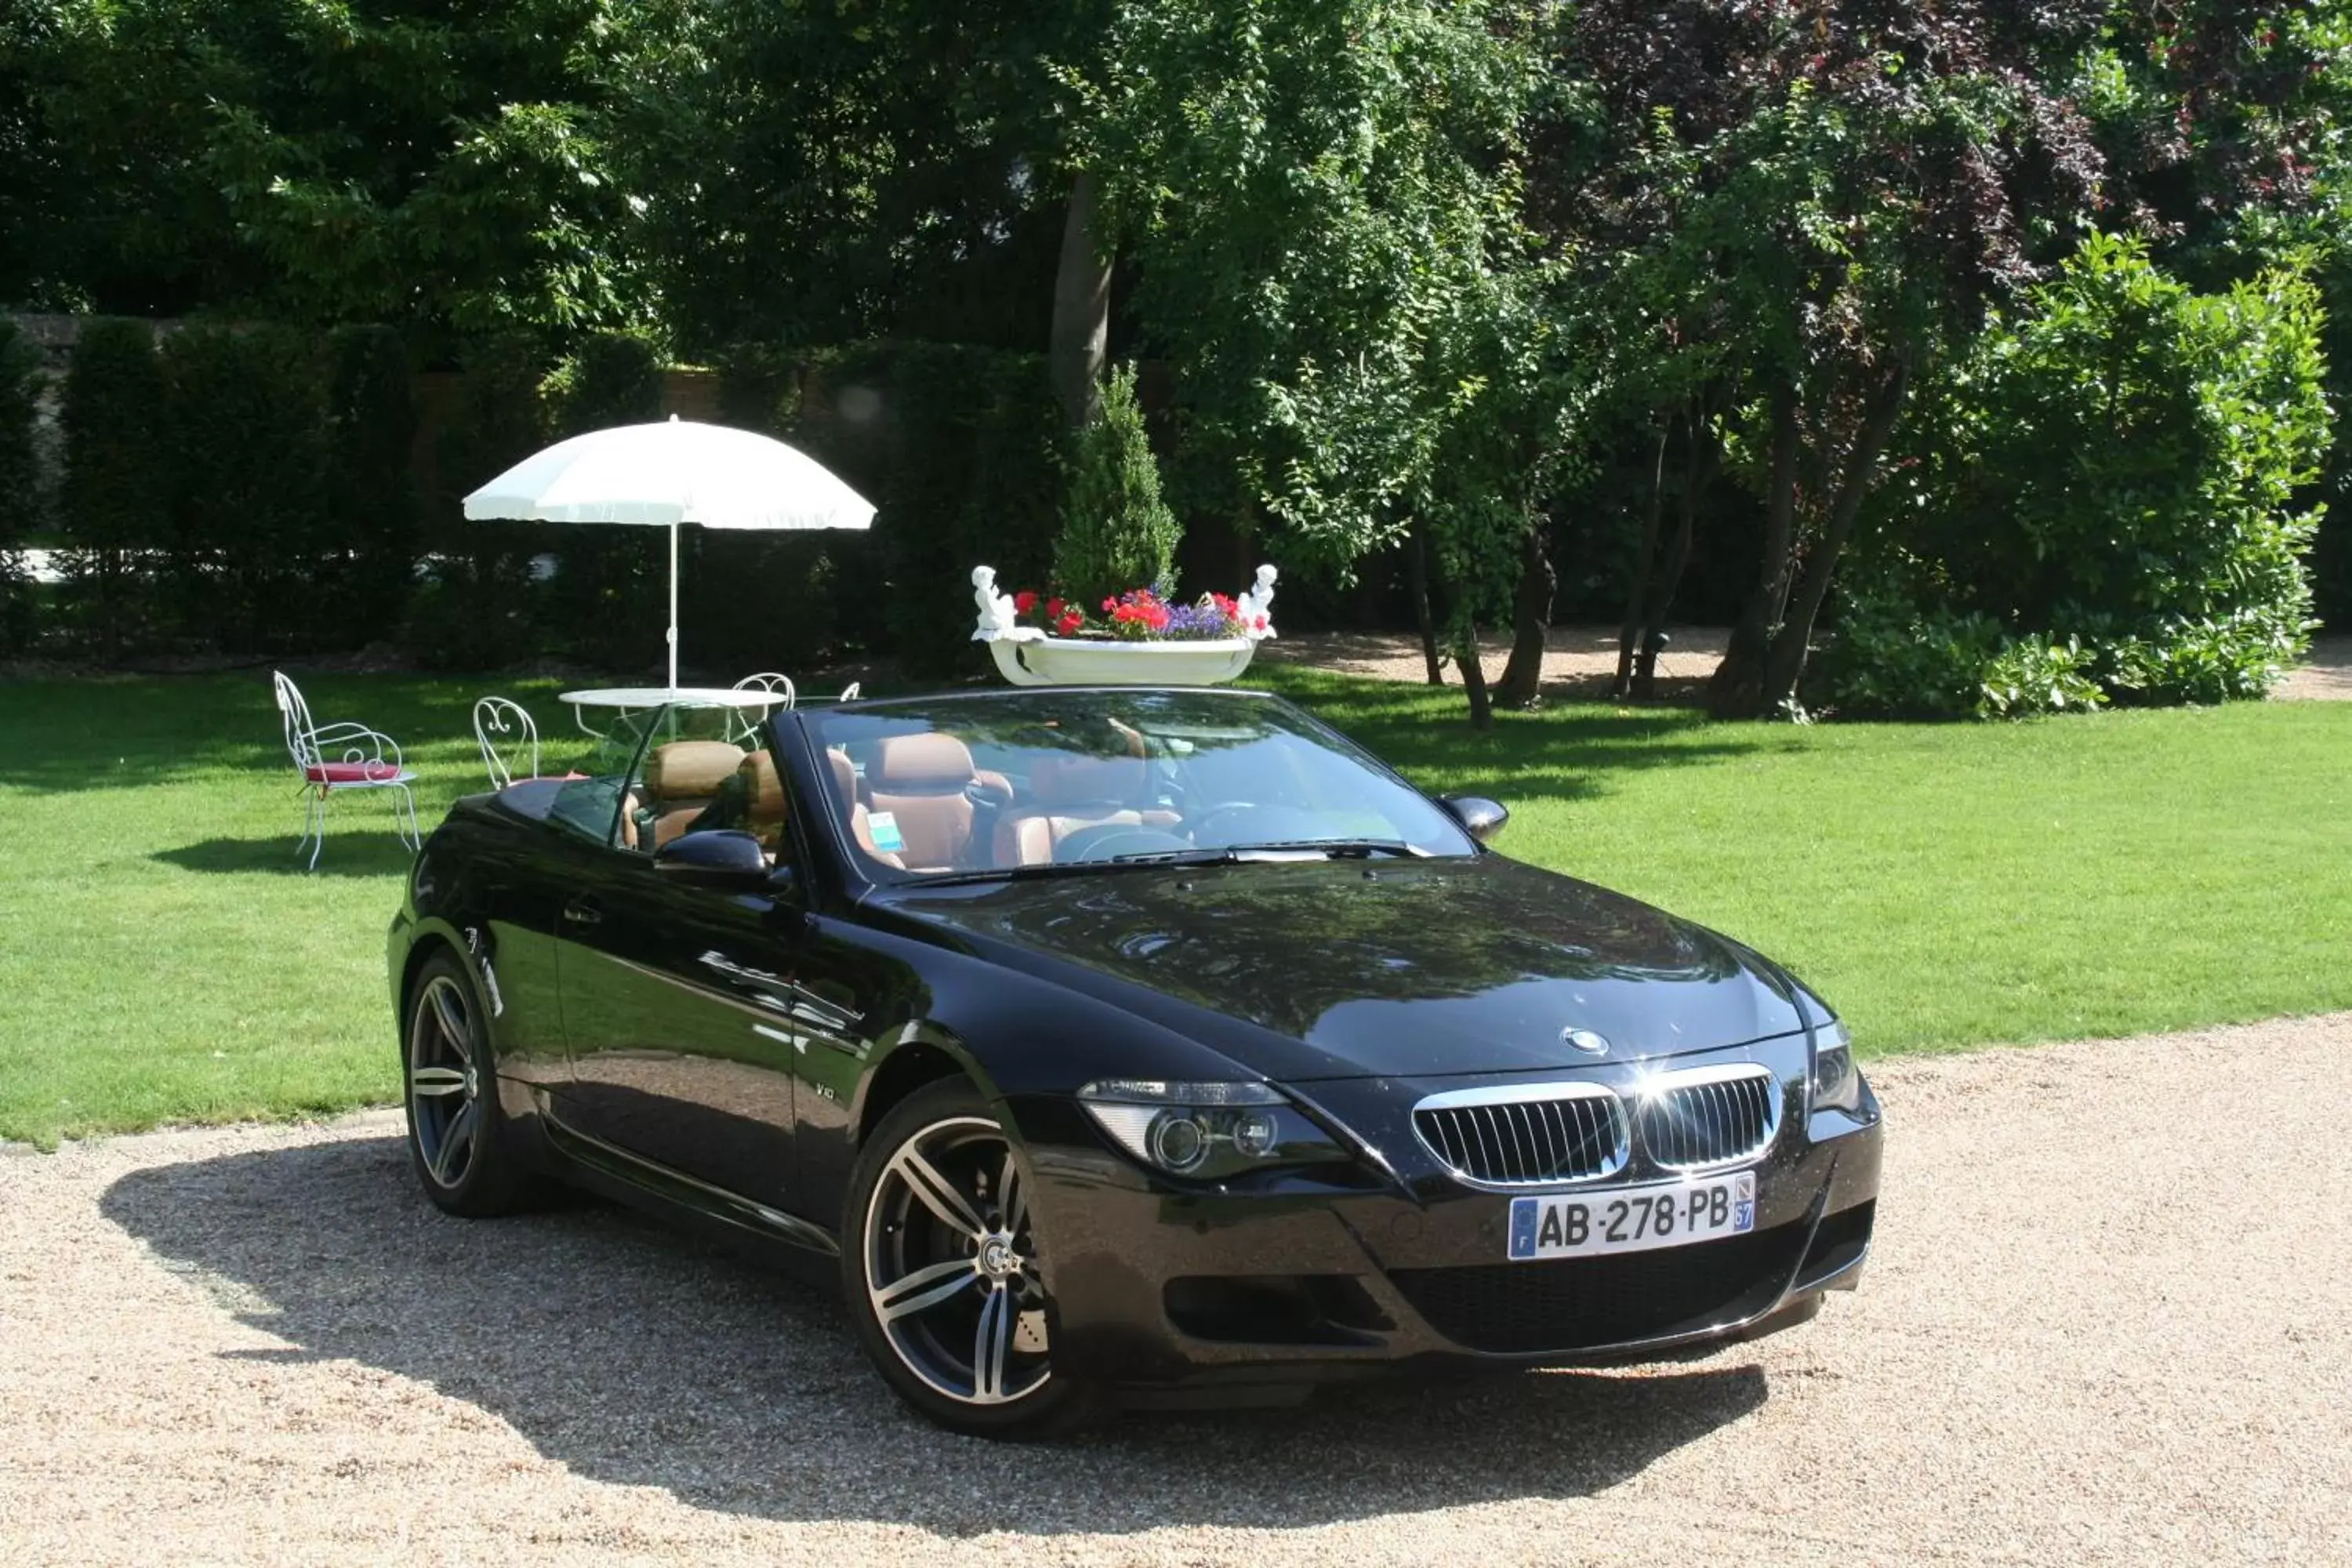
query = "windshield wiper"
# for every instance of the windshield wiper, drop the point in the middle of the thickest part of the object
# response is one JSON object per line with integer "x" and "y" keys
{"x": 1031, "y": 872}
{"x": 1225, "y": 855}
{"x": 1233, "y": 854}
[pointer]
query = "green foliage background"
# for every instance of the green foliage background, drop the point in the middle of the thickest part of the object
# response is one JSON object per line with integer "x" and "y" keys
{"x": 2109, "y": 498}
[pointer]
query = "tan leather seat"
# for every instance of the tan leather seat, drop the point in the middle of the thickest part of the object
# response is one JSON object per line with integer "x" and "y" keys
{"x": 923, "y": 784}
{"x": 1067, "y": 793}
{"x": 682, "y": 778}
{"x": 763, "y": 796}
{"x": 861, "y": 827}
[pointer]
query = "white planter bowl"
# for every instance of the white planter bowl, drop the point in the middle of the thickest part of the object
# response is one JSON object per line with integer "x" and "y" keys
{"x": 1084, "y": 661}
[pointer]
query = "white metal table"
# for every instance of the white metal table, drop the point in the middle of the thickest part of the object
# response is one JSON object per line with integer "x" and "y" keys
{"x": 622, "y": 701}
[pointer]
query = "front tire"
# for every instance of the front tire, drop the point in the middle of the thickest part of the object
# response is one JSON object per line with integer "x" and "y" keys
{"x": 939, "y": 1269}
{"x": 457, "y": 1139}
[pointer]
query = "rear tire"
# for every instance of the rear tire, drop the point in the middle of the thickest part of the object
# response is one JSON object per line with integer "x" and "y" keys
{"x": 939, "y": 1254}
{"x": 457, "y": 1138}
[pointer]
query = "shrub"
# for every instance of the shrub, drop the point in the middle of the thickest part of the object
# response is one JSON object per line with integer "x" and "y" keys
{"x": 19, "y": 394}
{"x": 258, "y": 560}
{"x": 1117, "y": 533}
{"x": 1891, "y": 659}
{"x": 371, "y": 431}
{"x": 2117, "y": 473}
{"x": 113, "y": 497}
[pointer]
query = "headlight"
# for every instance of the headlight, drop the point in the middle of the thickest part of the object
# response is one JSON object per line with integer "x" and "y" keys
{"x": 1837, "y": 1083}
{"x": 1206, "y": 1132}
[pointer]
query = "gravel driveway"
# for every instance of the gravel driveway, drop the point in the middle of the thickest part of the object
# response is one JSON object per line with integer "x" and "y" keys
{"x": 2109, "y": 1318}
{"x": 1581, "y": 661}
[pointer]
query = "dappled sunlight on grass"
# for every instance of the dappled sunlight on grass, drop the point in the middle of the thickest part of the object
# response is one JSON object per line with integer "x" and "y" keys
{"x": 162, "y": 959}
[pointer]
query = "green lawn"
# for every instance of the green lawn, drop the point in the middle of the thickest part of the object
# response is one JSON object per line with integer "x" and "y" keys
{"x": 162, "y": 957}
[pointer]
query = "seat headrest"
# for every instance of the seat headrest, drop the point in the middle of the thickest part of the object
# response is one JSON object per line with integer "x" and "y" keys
{"x": 691, "y": 770}
{"x": 1061, "y": 779}
{"x": 844, "y": 773}
{"x": 762, "y": 787}
{"x": 927, "y": 762}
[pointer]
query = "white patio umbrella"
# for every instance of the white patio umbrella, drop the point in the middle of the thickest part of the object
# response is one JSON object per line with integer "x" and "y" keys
{"x": 675, "y": 472}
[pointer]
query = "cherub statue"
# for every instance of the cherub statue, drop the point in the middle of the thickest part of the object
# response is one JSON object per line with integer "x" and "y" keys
{"x": 998, "y": 617}
{"x": 1255, "y": 605}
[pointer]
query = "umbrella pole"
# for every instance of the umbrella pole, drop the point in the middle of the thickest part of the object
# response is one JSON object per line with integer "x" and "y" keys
{"x": 673, "y": 609}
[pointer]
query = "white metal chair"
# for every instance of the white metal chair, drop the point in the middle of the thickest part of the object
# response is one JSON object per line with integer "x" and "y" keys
{"x": 746, "y": 723}
{"x": 849, "y": 692}
{"x": 342, "y": 757}
{"x": 502, "y": 722}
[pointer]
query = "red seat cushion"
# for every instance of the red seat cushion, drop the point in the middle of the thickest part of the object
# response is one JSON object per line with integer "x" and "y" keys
{"x": 351, "y": 773}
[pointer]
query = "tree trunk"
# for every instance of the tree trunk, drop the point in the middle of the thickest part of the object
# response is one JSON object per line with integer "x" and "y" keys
{"x": 1474, "y": 679}
{"x": 1698, "y": 472}
{"x": 1432, "y": 660}
{"x": 1637, "y": 589}
{"x": 1081, "y": 329}
{"x": 1522, "y": 682}
{"x": 1784, "y": 664}
{"x": 1465, "y": 637}
{"x": 1740, "y": 677}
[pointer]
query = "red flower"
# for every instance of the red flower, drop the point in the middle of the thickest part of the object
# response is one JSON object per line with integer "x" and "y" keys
{"x": 1052, "y": 609}
{"x": 1025, "y": 601}
{"x": 1069, "y": 623}
{"x": 1110, "y": 604}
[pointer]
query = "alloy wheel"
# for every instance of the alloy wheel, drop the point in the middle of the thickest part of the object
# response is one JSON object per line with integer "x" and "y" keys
{"x": 445, "y": 1087}
{"x": 951, "y": 1264}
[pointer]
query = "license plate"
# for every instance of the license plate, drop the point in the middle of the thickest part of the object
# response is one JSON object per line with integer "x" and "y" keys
{"x": 1634, "y": 1219}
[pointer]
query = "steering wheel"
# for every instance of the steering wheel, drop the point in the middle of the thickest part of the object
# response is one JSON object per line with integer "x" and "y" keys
{"x": 1108, "y": 840}
{"x": 1202, "y": 825}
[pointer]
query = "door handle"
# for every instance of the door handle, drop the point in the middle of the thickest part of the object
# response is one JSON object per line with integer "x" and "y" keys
{"x": 583, "y": 912}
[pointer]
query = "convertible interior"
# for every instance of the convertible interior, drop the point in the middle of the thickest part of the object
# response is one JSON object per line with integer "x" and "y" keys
{"x": 917, "y": 796}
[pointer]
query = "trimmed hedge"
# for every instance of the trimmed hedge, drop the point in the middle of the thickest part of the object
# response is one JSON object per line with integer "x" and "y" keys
{"x": 609, "y": 595}
{"x": 371, "y": 485}
{"x": 957, "y": 447}
{"x": 476, "y": 606}
{"x": 250, "y": 489}
{"x": 256, "y": 561}
{"x": 19, "y": 391}
{"x": 112, "y": 499}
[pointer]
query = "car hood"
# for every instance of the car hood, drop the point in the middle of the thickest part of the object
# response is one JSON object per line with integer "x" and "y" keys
{"x": 1388, "y": 968}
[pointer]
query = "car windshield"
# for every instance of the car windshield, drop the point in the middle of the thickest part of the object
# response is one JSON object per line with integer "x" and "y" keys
{"x": 1046, "y": 780}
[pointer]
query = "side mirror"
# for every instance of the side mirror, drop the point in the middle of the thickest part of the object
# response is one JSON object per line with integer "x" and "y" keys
{"x": 1481, "y": 818}
{"x": 715, "y": 857}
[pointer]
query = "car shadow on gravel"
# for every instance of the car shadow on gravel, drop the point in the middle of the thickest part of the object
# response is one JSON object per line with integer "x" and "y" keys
{"x": 634, "y": 1355}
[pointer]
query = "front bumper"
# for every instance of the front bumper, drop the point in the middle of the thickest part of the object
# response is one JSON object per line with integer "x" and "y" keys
{"x": 1160, "y": 1288}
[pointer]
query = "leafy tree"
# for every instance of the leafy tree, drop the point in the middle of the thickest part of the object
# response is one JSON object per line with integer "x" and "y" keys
{"x": 1797, "y": 216}
{"x": 397, "y": 161}
{"x": 1117, "y": 533}
{"x": 1320, "y": 196}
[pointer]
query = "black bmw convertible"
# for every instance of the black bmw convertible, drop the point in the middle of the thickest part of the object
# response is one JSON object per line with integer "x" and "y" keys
{"x": 1124, "y": 1046}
